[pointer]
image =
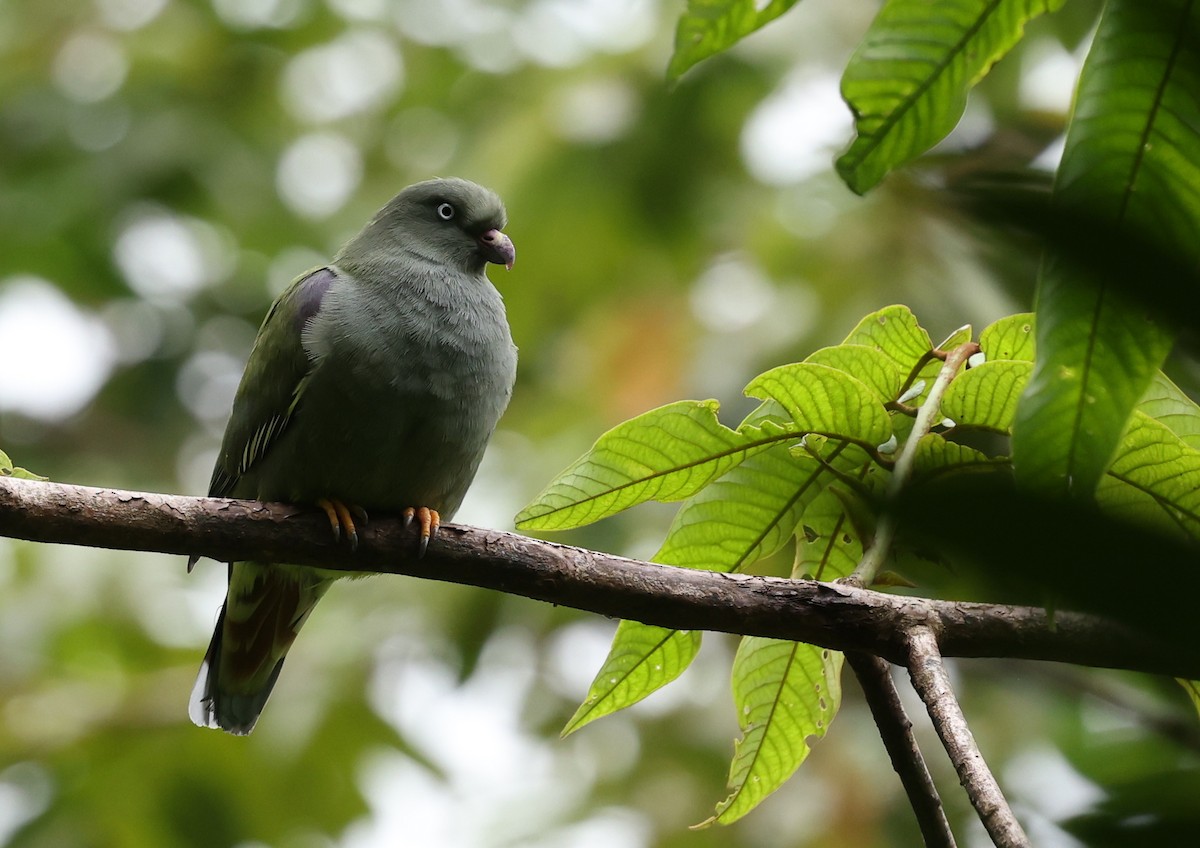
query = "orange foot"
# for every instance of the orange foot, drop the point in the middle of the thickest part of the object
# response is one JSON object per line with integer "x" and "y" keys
{"x": 341, "y": 519}
{"x": 429, "y": 521}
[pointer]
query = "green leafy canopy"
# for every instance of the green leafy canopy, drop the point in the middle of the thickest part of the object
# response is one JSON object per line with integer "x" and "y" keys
{"x": 1076, "y": 393}
{"x": 796, "y": 470}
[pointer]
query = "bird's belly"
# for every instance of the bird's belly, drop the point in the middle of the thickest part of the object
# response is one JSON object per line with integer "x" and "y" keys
{"x": 386, "y": 447}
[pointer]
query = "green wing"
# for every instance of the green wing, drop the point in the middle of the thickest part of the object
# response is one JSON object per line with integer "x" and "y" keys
{"x": 273, "y": 381}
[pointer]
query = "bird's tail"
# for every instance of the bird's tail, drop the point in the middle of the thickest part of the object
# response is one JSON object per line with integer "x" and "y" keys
{"x": 264, "y": 610}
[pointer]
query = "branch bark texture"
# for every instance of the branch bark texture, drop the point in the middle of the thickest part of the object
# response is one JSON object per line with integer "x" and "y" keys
{"x": 826, "y": 614}
{"x": 932, "y": 683}
{"x": 879, "y": 690}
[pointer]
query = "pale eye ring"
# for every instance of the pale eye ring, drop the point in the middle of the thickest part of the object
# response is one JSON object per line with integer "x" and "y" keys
{"x": 445, "y": 211}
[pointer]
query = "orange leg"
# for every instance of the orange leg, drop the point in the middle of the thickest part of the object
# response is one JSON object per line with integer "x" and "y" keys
{"x": 429, "y": 521}
{"x": 341, "y": 519}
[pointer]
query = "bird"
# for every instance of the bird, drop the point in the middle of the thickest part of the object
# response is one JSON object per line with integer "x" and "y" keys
{"x": 374, "y": 384}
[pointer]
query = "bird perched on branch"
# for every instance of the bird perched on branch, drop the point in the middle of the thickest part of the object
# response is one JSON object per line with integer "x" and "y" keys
{"x": 374, "y": 384}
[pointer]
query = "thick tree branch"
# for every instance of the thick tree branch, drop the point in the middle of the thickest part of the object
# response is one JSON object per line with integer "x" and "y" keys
{"x": 833, "y": 616}
{"x": 929, "y": 678}
{"x": 875, "y": 677}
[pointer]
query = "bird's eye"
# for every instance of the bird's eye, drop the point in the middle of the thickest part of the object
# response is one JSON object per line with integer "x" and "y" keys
{"x": 445, "y": 211}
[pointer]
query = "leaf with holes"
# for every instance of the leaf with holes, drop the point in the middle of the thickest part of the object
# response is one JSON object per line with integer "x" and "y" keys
{"x": 785, "y": 693}
{"x": 829, "y": 542}
{"x": 641, "y": 660}
{"x": 1009, "y": 338}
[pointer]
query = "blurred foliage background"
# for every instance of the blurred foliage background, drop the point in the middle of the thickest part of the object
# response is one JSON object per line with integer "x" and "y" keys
{"x": 167, "y": 166}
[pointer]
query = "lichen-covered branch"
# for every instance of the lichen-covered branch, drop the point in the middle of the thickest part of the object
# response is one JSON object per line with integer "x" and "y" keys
{"x": 826, "y": 614}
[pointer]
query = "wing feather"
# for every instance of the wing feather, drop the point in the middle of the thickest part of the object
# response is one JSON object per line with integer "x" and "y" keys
{"x": 273, "y": 382}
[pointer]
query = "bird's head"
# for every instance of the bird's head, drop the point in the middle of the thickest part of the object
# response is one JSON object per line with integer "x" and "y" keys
{"x": 451, "y": 221}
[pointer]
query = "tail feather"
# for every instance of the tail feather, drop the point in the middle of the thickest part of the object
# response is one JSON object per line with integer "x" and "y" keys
{"x": 264, "y": 610}
{"x": 210, "y": 706}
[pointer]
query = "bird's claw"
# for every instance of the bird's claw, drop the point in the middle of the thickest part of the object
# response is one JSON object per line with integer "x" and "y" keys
{"x": 341, "y": 519}
{"x": 429, "y": 522}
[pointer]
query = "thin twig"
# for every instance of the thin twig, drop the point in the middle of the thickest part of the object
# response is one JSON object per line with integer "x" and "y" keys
{"x": 875, "y": 677}
{"x": 875, "y": 556}
{"x": 932, "y": 683}
{"x": 831, "y": 615}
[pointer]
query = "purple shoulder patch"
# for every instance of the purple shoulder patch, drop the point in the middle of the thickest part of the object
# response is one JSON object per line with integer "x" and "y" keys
{"x": 309, "y": 294}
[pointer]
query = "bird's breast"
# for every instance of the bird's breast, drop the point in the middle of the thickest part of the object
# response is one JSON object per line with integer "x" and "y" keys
{"x": 399, "y": 405}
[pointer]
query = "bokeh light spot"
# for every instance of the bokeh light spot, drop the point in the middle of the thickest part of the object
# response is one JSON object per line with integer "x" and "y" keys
{"x": 731, "y": 294}
{"x": 360, "y": 70}
{"x": 168, "y": 257}
{"x": 794, "y": 132}
{"x": 90, "y": 67}
{"x": 317, "y": 174}
{"x": 129, "y": 14}
{"x": 259, "y": 14}
{"x": 54, "y": 357}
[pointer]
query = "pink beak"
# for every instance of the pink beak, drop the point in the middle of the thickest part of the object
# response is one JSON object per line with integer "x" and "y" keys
{"x": 498, "y": 248}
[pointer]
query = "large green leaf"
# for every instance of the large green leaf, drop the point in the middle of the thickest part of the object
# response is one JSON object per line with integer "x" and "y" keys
{"x": 665, "y": 454}
{"x": 986, "y": 396}
{"x": 829, "y": 545}
{"x": 785, "y": 692}
{"x": 642, "y": 659}
{"x": 1155, "y": 461}
{"x": 868, "y": 364}
{"x": 824, "y": 400}
{"x": 1132, "y": 161}
{"x": 935, "y": 455}
{"x": 709, "y": 27}
{"x": 894, "y": 332}
{"x": 908, "y": 80}
{"x": 1011, "y": 337}
{"x": 746, "y": 515}
{"x": 1165, "y": 402}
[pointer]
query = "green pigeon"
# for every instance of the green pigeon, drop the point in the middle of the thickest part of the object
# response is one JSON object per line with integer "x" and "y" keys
{"x": 374, "y": 384}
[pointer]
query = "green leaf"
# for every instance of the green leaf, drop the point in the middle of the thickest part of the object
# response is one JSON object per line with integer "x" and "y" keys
{"x": 1166, "y": 402}
{"x": 1009, "y": 338}
{"x": 709, "y": 27}
{"x": 642, "y": 659}
{"x": 1155, "y": 461}
{"x": 986, "y": 396}
{"x": 666, "y": 454}
{"x": 894, "y": 332}
{"x": 830, "y": 545}
{"x": 868, "y": 364}
{"x": 935, "y": 455}
{"x": 747, "y": 514}
{"x": 1193, "y": 690}
{"x": 1132, "y": 158}
{"x": 7, "y": 469}
{"x": 960, "y": 336}
{"x": 908, "y": 80}
{"x": 820, "y": 399}
{"x": 785, "y": 692}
